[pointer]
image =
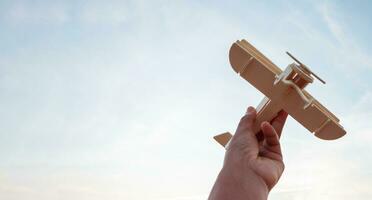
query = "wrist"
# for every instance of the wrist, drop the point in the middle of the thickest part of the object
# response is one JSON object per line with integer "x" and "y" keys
{"x": 232, "y": 183}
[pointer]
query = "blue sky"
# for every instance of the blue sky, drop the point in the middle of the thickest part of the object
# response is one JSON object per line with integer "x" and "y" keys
{"x": 120, "y": 99}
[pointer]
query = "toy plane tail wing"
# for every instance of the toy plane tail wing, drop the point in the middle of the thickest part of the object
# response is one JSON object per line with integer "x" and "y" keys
{"x": 223, "y": 138}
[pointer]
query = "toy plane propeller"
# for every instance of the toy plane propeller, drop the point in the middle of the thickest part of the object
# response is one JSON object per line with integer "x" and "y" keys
{"x": 283, "y": 90}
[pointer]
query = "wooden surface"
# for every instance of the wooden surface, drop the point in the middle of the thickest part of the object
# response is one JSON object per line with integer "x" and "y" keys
{"x": 264, "y": 75}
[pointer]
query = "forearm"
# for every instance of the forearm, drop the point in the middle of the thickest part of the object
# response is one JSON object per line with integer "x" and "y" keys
{"x": 251, "y": 167}
{"x": 246, "y": 187}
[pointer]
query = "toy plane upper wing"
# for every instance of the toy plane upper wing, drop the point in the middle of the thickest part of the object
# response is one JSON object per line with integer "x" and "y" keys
{"x": 283, "y": 90}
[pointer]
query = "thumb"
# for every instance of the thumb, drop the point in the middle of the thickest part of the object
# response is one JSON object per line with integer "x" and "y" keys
{"x": 246, "y": 122}
{"x": 244, "y": 138}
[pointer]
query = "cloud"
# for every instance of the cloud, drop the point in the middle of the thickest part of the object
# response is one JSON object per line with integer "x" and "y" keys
{"x": 136, "y": 108}
{"x": 334, "y": 26}
{"x": 358, "y": 120}
{"x": 347, "y": 48}
{"x": 144, "y": 113}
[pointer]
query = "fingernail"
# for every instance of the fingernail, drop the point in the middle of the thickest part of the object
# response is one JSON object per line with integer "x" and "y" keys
{"x": 250, "y": 109}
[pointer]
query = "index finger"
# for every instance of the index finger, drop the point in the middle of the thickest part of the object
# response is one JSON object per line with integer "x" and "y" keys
{"x": 279, "y": 121}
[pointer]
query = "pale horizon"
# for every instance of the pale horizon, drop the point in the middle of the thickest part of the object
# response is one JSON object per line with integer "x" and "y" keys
{"x": 120, "y": 99}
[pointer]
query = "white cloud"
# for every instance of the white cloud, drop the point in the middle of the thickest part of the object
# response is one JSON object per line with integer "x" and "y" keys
{"x": 334, "y": 26}
{"x": 149, "y": 102}
{"x": 347, "y": 48}
{"x": 359, "y": 120}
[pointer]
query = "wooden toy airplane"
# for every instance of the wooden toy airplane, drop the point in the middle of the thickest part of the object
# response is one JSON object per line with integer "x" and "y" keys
{"x": 283, "y": 90}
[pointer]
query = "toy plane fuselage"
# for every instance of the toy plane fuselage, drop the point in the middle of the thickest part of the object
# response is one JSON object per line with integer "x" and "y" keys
{"x": 283, "y": 90}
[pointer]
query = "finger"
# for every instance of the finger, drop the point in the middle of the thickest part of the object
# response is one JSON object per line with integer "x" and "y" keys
{"x": 279, "y": 121}
{"x": 244, "y": 138}
{"x": 260, "y": 137}
{"x": 271, "y": 143}
{"x": 246, "y": 122}
{"x": 271, "y": 137}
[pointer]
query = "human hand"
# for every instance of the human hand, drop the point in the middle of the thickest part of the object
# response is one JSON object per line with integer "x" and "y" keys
{"x": 253, "y": 162}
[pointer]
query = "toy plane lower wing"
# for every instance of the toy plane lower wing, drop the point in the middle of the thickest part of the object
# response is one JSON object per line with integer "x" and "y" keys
{"x": 284, "y": 90}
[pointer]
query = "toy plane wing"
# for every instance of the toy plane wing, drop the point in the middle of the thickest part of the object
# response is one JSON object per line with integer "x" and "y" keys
{"x": 284, "y": 90}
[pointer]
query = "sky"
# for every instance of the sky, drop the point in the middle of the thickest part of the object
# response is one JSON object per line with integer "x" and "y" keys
{"x": 120, "y": 99}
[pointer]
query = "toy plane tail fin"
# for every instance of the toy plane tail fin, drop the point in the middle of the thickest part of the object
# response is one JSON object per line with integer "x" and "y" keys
{"x": 223, "y": 138}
